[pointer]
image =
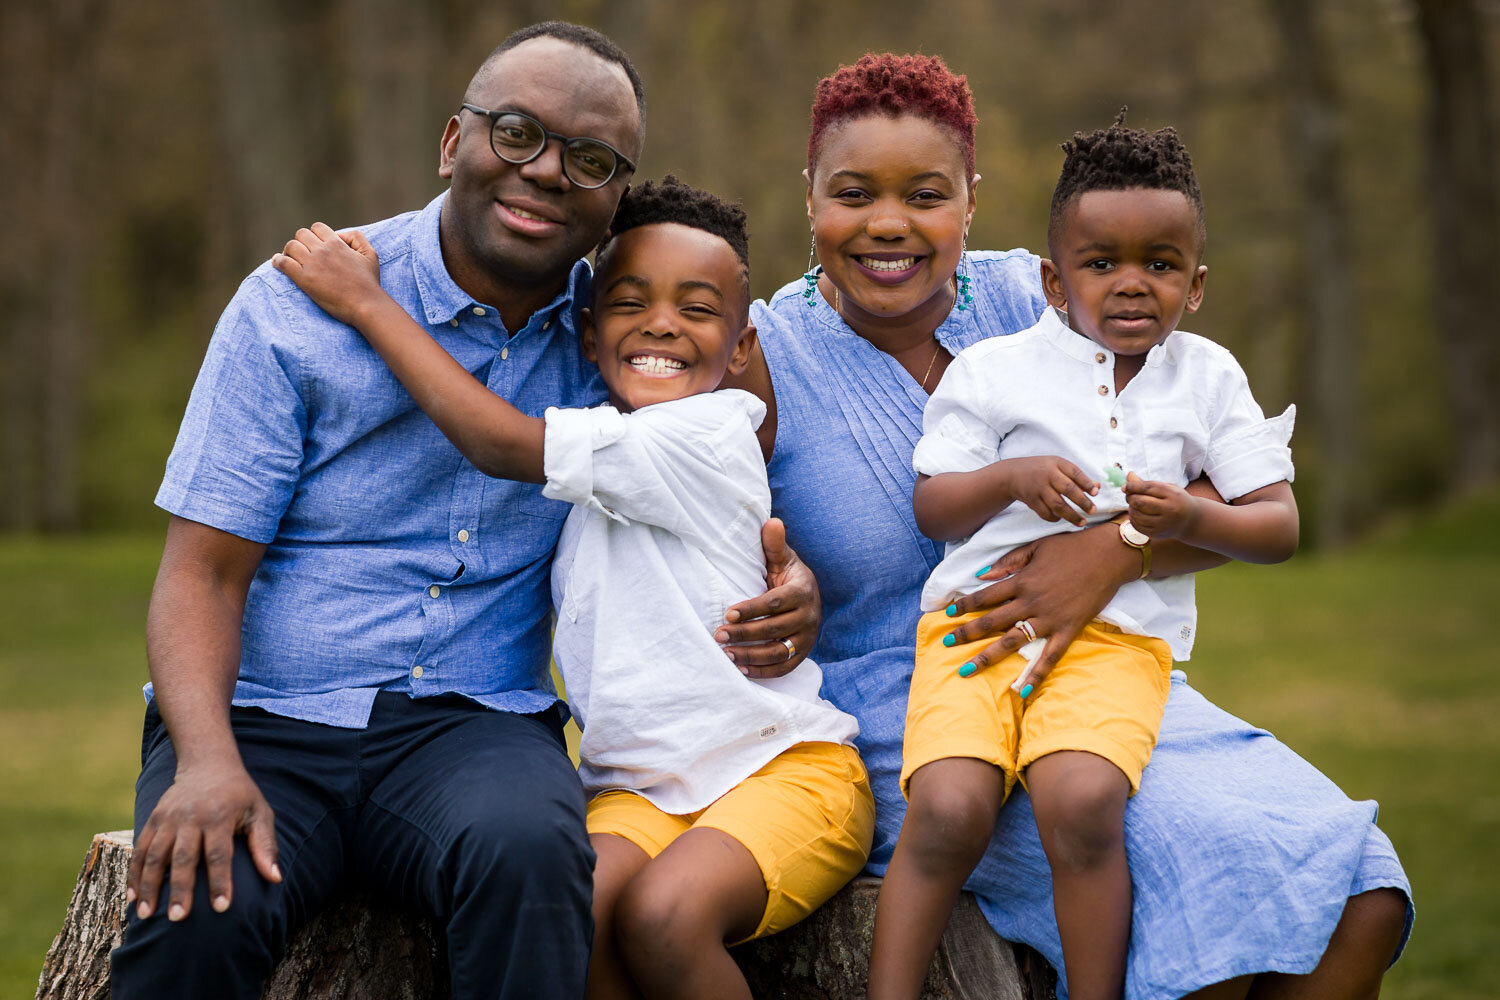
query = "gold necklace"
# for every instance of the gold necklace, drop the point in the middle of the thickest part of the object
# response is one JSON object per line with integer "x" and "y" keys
{"x": 838, "y": 310}
{"x": 928, "y": 374}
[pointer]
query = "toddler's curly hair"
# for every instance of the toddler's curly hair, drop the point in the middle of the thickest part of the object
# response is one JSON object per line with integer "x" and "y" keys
{"x": 1118, "y": 158}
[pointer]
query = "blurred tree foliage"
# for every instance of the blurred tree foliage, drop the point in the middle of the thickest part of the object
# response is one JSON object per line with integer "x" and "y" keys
{"x": 155, "y": 152}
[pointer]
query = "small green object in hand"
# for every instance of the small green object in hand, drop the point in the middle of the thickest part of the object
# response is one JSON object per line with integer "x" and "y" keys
{"x": 1115, "y": 476}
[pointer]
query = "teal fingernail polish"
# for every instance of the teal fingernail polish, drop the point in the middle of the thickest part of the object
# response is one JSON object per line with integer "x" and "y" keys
{"x": 984, "y": 571}
{"x": 952, "y": 610}
{"x": 1026, "y": 691}
{"x": 966, "y": 669}
{"x": 949, "y": 639}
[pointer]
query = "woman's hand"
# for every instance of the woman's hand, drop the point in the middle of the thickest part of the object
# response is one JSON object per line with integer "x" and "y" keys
{"x": 767, "y": 636}
{"x": 1057, "y": 585}
{"x": 338, "y": 271}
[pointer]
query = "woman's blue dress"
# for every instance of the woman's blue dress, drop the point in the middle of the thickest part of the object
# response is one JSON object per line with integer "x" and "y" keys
{"x": 1242, "y": 854}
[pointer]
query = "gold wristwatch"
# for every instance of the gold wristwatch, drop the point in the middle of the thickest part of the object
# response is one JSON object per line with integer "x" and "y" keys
{"x": 1136, "y": 540}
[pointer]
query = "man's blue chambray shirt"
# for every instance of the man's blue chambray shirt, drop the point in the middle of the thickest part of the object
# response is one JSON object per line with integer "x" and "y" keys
{"x": 392, "y": 563}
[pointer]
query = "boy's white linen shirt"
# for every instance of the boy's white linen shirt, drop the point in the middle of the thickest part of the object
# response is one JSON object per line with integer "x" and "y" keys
{"x": 663, "y": 537}
{"x": 1049, "y": 390}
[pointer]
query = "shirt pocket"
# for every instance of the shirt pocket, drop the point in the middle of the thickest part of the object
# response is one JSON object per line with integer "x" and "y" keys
{"x": 1176, "y": 443}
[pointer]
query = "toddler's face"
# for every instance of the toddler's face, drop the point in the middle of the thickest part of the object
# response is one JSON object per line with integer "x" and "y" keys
{"x": 1125, "y": 266}
{"x": 669, "y": 315}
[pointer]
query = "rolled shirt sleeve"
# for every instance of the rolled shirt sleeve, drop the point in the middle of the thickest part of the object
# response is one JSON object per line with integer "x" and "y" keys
{"x": 1246, "y": 450}
{"x": 663, "y": 465}
{"x": 956, "y": 435}
{"x": 238, "y": 454}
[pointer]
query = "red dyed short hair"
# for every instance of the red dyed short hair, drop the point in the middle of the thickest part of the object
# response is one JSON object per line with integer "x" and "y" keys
{"x": 888, "y": 84}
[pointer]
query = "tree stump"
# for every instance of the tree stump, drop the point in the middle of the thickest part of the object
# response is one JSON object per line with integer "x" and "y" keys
{"x": 363, "y": 949}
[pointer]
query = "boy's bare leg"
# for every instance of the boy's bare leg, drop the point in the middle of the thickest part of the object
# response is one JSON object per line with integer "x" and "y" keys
{"x": 673, "y": 918}
{"x": 618, "y": 861}
{"x": 947, "y": 827}
{"x": 1079, "y": 801}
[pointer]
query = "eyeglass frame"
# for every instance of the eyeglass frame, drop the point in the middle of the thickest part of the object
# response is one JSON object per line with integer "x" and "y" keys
{"x": 547, "y": 136}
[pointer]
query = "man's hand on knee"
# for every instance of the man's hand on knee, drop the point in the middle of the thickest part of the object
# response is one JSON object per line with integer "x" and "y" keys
{"x": 200, "y": 815}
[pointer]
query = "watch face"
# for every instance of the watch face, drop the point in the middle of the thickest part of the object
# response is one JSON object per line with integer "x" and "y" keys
{"x": 1131, "y": 536}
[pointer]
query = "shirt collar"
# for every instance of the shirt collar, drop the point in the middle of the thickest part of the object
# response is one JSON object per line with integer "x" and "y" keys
{"x": 443, "y": 300}
{"x": 1054, "y": 324}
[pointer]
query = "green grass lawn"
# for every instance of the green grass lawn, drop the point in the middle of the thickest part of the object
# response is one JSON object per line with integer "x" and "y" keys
{"x": 1372, "y": 663}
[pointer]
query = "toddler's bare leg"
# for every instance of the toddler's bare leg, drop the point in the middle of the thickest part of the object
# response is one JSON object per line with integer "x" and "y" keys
{"x": 618, "y": 862}
{"x": 673, "y": 918}
{"x": 948, "y": 824}
{"x": 1079, "y": 801}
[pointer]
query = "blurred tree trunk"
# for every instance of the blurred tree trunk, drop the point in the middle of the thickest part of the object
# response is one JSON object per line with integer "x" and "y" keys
{"x": 1465, "y": 198}
{"x": 268, "y": 158}
{"x": 1311, "y": 106}
{"x": 393, "y": 134}
{"x": 22, "y": 69}
{"x": 74, "y": 31}
{"x": 47, "y": 206}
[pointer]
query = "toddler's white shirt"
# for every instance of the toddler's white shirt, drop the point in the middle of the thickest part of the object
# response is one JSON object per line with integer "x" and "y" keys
{"x": 1049, "y": 390}
{"x": 663, "y": 537}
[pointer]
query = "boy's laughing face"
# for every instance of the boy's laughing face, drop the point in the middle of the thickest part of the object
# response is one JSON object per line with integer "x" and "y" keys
{"x": 669, "y": 315}
{"x": 1125, "y": 266}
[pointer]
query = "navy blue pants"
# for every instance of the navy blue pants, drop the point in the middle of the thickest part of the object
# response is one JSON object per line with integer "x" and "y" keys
{"x": 473, "y": 815}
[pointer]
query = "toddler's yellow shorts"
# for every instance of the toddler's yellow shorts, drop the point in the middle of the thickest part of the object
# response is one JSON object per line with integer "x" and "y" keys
{"x": 1105, "y": 696}
{"x": 807, "y": 818}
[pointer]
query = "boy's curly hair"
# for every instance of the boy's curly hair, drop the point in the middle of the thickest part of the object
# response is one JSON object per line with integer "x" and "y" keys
{"x": 1118, "y": 158}
{"x": 888, "y": 84}
{"x": 673, "y": 201}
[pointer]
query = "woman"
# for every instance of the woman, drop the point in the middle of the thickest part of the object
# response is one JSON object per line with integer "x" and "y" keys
{"x": 1254, "y": 875}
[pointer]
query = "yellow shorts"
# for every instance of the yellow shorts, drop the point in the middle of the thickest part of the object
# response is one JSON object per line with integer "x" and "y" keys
{"x": 807, "y": 818}
{"x": 1106, "y": 696}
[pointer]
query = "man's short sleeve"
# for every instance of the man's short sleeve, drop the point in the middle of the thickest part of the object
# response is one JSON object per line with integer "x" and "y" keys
{"x": 238, "y": 454}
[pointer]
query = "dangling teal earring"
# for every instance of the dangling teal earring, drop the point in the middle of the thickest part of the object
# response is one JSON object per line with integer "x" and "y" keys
{"x": 811, "y": 277}
{"x": 961, "y": 293}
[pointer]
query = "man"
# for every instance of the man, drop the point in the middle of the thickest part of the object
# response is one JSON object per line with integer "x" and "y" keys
{"x": 349, "y": 631}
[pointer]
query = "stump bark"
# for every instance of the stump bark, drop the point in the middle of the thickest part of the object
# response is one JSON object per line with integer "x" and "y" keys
{"x": 363, "y": 949}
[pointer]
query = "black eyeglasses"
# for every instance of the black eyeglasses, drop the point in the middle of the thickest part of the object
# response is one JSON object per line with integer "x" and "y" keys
{"x": 518, "y": 138}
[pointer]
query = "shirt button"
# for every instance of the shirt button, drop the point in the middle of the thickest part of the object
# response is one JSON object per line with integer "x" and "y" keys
{"x": 1104, "y": 390}
{"x": 546, "y": 324}
{"x": 1113, "y": 423}
{"x": 463, "y": 534}
{"x": 504, "y": 353}
{"x": 1099, "y": 358}
{"x": 479, "y": 310}
{"x": 453, "y": 321}
{"x": 416, "y": 673}
{"x": 434, "y": 590}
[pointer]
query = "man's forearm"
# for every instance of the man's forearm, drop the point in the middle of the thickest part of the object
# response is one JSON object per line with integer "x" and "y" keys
{"x": 193, "y": 636}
